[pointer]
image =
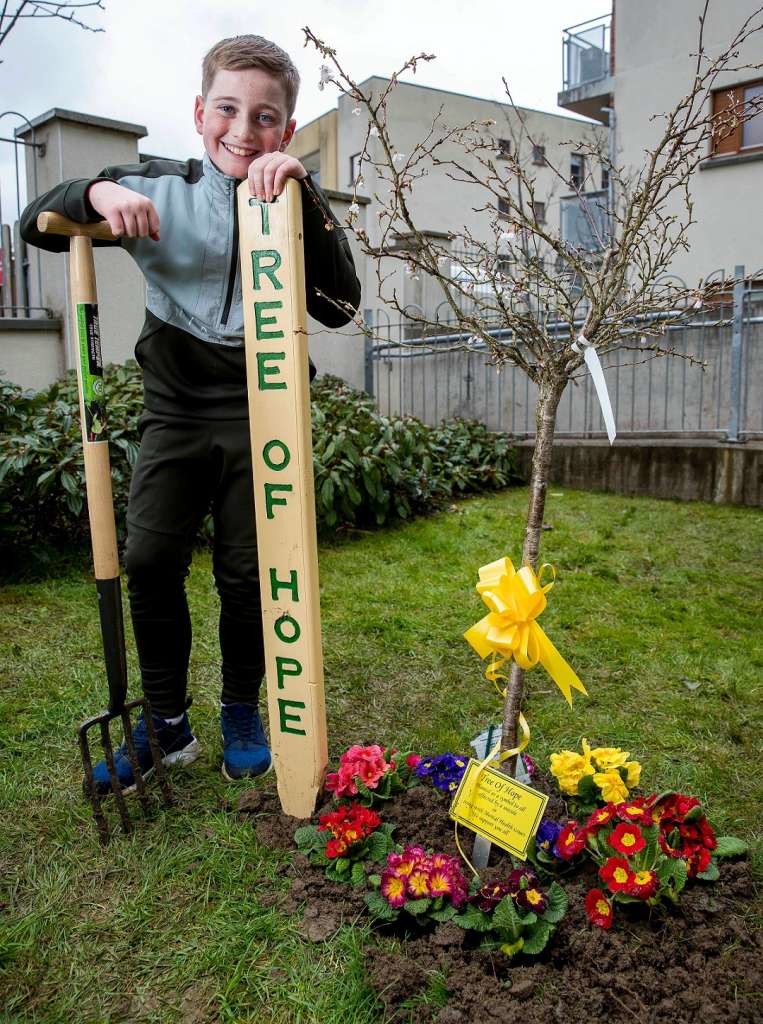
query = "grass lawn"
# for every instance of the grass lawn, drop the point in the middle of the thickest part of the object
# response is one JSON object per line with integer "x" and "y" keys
{"x": 657, "y": 606}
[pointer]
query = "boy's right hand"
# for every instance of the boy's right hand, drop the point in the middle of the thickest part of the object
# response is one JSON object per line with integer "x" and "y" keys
{"x": 129, "y": 213}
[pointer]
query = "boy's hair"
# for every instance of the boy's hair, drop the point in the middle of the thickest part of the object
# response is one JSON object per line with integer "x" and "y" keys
{"x": 241, "y": 52}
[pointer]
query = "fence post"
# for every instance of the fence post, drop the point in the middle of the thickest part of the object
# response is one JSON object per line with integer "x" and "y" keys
{"x": 6, "y": 285}
{"x": 735, "y": 395}
{"x": 368, "y": 363}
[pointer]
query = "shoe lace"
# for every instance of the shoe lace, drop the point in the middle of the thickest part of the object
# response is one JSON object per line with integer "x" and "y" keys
{"x": 242, "y": 722}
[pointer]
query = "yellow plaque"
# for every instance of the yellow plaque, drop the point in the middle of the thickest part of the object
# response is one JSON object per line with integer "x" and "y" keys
{"x": 498, "y": 808}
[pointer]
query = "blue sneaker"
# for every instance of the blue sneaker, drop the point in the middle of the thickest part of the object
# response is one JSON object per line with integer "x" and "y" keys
{"x": 245, "y": 745}
{"x": 177, "y": 743}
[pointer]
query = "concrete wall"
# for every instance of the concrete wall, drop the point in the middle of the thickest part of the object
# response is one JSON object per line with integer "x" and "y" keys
{"x": 653, "y": 69}
{"x": 78, "y": 146}
{"x": 319, "y": 136}
{"x": 437, "y": 203}
{"x": 342, "y": 351}
{"x": 31, "y": 353}
{"x": 687, "y": 471}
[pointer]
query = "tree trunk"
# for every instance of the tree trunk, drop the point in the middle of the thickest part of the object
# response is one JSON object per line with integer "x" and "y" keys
{"x": 549, "y": 395}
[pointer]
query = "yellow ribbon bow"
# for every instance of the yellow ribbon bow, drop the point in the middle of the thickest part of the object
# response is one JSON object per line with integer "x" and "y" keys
{"x": 509, "y": 630}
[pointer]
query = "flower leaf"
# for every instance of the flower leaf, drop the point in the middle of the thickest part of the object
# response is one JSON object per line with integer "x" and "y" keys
{"x": 379, "y": 909}
{"x": 308, "y": 838}
{"x": 358, "y": 874}
{"x": 557, "y": 904}
{"x": 536, "y": 939}
{"x": 446, "y": 914}
{"x": 730, "y": 846}
{"x": 506, "y": 918}
{"x": 711, "y": 872}
{"x": 378, "y": 845}
{"x": 417, "y": 906}
{"x": 473, "y": 919}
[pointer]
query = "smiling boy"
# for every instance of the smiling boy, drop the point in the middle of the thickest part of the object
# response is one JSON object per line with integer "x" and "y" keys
{"x": 178, "y": 220}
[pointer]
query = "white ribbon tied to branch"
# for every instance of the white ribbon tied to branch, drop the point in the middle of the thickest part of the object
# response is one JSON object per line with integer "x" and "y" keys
{"x": 593, "y": 363}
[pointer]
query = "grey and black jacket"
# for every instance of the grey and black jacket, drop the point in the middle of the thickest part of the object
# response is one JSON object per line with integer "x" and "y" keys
{"x": 191, "y": 345}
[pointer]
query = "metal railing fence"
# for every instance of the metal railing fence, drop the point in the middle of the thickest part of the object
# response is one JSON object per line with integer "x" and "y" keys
{"x": 585, "y": 52}
{"x": 433, "y": 379}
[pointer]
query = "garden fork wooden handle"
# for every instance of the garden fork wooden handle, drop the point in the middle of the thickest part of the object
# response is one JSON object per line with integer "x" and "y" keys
{"x": 100, "y": 503}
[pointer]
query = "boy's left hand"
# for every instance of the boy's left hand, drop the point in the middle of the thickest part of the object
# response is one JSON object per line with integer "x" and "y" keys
{"x": 268, "y": 173}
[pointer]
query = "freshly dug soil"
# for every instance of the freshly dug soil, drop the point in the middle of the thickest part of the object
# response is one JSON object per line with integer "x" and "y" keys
{"x": 700, "y": 962}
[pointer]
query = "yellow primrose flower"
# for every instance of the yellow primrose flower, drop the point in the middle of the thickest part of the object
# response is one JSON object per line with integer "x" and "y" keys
{"x": 634, "y": 773}
{"x": 567, "y": 762}
{"x": 569, "y": 783}
{"x": 609, "y": 757}
{"x": 612, "y": 787}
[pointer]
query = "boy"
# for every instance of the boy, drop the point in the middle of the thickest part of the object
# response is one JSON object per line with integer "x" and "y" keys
{"x": 179, "y": 222}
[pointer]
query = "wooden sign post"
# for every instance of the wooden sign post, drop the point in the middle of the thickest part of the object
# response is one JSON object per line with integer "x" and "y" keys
{"x": 275, "y": 318}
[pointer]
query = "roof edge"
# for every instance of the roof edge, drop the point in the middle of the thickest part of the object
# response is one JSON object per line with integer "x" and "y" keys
{"x": 59, "y": 114}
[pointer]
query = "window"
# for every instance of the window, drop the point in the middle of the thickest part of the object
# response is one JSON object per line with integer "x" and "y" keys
{"x": 504, "y": 210}
{"x": 354, "y": 169}
{"x": 577, "y": 170}
{"x": 539, "y": 155}
{"x": 504, "y": 149}
{"x": 729, "y": 134}
{"x": 539, "y": 213}
{"x": 605, "y": 178}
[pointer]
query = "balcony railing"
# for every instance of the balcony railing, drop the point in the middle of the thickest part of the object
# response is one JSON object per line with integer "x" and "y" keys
{"x": 586, "y": 50}
{"x": 585, "y": 221}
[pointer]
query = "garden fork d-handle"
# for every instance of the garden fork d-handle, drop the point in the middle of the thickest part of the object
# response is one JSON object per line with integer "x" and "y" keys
{"x": 100, "y": 505}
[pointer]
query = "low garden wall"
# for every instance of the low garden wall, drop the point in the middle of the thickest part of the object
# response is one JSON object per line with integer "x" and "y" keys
{"x": 690, "y": 470}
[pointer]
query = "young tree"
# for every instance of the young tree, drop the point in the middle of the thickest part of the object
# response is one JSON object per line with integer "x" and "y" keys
{"x": 554, "y": 299}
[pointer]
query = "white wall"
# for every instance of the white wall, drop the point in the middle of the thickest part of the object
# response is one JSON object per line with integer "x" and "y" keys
{"x": 77, "y": 150}
{"x": 437, "y": 202}
{"x": 653, "y": 70}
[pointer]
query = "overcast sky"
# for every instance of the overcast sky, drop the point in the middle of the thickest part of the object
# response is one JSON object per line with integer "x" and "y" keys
{"x": 145, "y": 66}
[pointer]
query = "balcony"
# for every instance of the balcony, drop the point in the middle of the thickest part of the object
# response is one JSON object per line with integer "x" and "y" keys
{"x": 587, "y": 68}
{"x": 584, "y": 220}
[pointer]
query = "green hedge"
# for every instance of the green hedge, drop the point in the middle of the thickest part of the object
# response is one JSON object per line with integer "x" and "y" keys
{"x": 369, "y": 468}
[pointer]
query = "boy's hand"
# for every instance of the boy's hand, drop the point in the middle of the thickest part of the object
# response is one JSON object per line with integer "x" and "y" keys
{"x": 128, "y": 213}
{"x": 268, "y": 174}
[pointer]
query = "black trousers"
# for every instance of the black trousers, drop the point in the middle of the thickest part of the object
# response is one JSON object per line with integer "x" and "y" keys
{"x": 185, "y": 469}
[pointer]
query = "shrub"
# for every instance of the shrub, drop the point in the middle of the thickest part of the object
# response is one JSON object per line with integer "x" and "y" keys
{"x": 369, "y": 468}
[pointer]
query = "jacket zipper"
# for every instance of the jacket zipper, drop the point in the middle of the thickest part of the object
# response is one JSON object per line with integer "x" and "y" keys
{"x": 233, "y": 269}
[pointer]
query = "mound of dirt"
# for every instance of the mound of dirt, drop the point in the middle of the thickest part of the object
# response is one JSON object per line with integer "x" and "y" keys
{"x": 702, "y": 961}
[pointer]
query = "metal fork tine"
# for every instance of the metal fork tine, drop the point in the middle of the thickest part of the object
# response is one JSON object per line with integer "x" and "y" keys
{"x": 140, "y": 782}
{"x": 92, "y": 792}
{"x": 116, "y": 786}
{"x": 156, "y": 754}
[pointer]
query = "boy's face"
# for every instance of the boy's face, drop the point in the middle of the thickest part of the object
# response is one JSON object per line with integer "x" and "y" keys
{"x": 243, "y": 116}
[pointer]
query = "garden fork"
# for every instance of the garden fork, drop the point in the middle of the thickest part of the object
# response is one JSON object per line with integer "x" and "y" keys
{"x": 85, "y": 330}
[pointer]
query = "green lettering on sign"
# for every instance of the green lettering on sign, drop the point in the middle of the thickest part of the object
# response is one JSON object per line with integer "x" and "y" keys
{"x": 260, "y": 321}
{"x": 268, "y": 459}
{"x": 271, "y": 500}
{"x": 264, "y": 213}
{"x": 291, "y": 585}
{"x": 286, "y": 667}
{"x": 287, "y": 621}
{"x": 269, "y": 271}
{"x": 284, "y": 716}
{"x": 263, "y": 371}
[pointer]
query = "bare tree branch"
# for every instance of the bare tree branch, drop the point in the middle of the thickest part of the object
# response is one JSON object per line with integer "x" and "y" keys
{"x": 64, "y": 10}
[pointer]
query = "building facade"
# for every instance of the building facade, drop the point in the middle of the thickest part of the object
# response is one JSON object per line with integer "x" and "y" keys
{"x": 636, "y": 62}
